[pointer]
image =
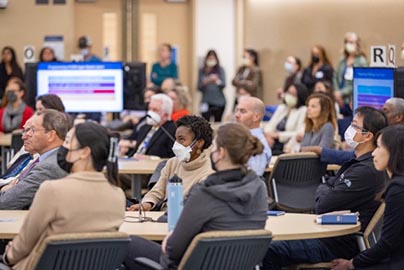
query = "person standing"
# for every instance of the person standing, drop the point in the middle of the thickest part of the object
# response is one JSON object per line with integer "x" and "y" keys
{"x": 8, "y": 68}
{"x": 164, "y": 68}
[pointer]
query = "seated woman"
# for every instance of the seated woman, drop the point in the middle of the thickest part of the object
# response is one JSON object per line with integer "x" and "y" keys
{"x": 327, "y": 88}
{"x": 388, "y": 252}
{"x": 287, "y": 119}
{"x": 180, "y": 97}
{"x": 233, "y": 198}
{"x": 14, "y": 112}
{"x": 191, "y": 162}
{"x": 84, "y": 201}
{"x": 320, "y": 124}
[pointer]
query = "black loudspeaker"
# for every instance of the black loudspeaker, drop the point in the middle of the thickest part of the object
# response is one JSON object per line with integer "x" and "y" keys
{"x": 134, "y": 82}
{"x": 399, "y": 82}
{"x": 31, "y": 83}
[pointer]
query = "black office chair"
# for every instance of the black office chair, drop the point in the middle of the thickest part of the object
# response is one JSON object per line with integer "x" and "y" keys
{"x": 219, "y": 250}
{"x": 90, "y": 251}
{"x": 294, "y": 180}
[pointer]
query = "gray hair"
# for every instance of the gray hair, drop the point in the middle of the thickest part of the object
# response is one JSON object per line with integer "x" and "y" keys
{"x": 58, "y": 121}
{"x": 166, "y": 103}
{"x": 397, "y": 105}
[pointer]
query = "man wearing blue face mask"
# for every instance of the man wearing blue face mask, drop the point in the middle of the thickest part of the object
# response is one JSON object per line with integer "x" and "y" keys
{"x": 357, "y": 186}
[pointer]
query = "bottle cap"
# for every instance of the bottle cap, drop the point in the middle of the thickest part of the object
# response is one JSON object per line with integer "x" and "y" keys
{"x": 175, "y": 179}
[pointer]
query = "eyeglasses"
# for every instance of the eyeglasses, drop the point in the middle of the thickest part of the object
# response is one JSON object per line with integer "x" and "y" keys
{"x": 363, "y": 130}
{"x": 33, "y": 130}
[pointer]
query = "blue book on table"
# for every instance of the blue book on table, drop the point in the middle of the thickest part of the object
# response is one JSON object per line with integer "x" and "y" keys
{"x": 338, "y": 219}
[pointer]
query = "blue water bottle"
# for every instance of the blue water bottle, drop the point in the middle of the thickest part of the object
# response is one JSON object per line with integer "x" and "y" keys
{"x": 174, "y": 201}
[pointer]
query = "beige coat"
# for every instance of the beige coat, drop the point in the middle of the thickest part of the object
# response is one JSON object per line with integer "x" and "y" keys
{"x": 80, "y": 202}
{"x": 191, "y": 173}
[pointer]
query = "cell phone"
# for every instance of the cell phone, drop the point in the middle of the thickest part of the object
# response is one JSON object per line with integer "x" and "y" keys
{"x": 275, "y": 213}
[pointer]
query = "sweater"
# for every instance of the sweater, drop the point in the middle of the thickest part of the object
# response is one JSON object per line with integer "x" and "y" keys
{"x": 324, "y": 137}
{"x": 80, "y": 202}
{"x": 190, "y": 172}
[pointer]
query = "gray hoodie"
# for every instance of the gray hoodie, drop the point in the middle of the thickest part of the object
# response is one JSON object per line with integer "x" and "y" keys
{"x": 226, "y": 200}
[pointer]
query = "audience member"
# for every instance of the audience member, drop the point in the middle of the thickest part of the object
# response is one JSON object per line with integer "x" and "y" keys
{"x": 319, "y": 69}
{"x": 394, "y": 110}
{"x": 44, "y": 136}
{"x": 181, "y": 100}
{"x": 191, "y": 162}
{"x": 357, "y": 187}
{"x": 353, "y": 56}
{"x": 8, "y": 68}
{"x": 293, "y": 68}
{"x": 85, "y": 46}
{"x": 248, "y": 79}
{"x": 211, "y": 82}
{"x": 15, "y": 112}
{"x": 327, "y": 88}
{"x": 49, "y": 101}
{"x": 66, "y": 205}
{"x": 233, "y": 198}
{"x": 388, "y": 252}
{"x": 320, "y": 123}
{"x": 288, "y": 118}
{"x": 165, "y": 68}
{"x": 249, "y": 112}
{"x": 169, "y": 84}
{"x": 47, "y": 54}
{"x": 156, "y": 137}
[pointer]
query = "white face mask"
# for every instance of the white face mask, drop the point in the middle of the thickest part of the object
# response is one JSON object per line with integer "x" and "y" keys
{"x": 288, "y": 67}
{"x": 154, "y": 118}
{"x": 290, "y": 100}
{"x": 349, "y": 135}
{"x": 84, "y": 52}
{"x": 211, "y": 63}
{"x": 245, "y": 61}
{"x": 182, "y": 153}
{"x": 350, "y": 47}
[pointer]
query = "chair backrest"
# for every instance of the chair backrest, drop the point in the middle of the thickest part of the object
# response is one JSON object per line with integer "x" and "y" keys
{"x": 157, "y": 173}
{"x": 372, "y": 232}
{"x": 218, "y": 250}
{"x": 294, "y": 180}
{"x": 90, "y": 251}
{"x": 16, "y": 141}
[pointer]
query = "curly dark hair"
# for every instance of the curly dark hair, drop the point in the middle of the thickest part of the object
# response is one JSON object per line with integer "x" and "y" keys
{"x": 199, "y": 126}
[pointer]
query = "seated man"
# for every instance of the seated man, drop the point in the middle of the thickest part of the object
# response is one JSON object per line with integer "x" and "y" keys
{"x": 249, "y": 112}
{"x": 18, "y": 164}
{"x": 156, "y": 138}
{"x": 356, "y": 187}
{"x": 44, "y": 136}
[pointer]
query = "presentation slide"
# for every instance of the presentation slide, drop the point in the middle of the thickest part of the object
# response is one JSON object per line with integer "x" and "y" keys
{"x": 83, "y": 87}
{"x": 372, "y": 86}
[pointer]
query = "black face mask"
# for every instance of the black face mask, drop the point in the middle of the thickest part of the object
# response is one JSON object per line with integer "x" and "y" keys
{"x": 61, "y": 158}
{"x": 11, "y": 96}
{"x": 212, "y": 163}
{"x": 315, "y": 59}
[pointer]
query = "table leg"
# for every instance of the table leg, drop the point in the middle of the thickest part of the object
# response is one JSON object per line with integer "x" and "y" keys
{"x": 136, "y": 187}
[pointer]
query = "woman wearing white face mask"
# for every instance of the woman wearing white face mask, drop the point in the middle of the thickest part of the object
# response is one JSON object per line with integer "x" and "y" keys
{"x": 211, "y": 82}
{"x": 293, "y": 68}
{"x": 288, "y": 118}
{"x": 353, "y": 56}
{"x": 191, "y": 163}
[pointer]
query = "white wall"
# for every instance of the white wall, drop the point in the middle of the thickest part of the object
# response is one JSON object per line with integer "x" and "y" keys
{"x": 214, "y": 28}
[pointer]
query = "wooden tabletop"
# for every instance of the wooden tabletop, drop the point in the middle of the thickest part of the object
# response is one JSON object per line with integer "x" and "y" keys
{"x": 286, "y": 227}
{"x": 137, "y": 166}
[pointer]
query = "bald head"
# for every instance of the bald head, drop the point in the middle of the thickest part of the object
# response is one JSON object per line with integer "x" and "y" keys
{"x": 250, "y": 111}
{"x": 394, "y": 110}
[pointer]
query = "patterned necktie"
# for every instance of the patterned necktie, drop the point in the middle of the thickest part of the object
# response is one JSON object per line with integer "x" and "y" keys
{"x": 28, "y": 169}
{"x": 17, "y": 166}
{"x": 143, "y": 147}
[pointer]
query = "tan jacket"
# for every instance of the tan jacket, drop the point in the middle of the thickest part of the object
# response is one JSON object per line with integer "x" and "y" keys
{"x": 190, "y": 173}
{"x": 80, "y": 202}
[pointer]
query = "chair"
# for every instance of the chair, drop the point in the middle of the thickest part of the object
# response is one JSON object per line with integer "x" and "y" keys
{"x": 90, "y": 251}
{"x": 218, "y": 250}
{"x": 365, "y": 240}
{"x": 294, "y": 180}
{"x": 157, "y": 173}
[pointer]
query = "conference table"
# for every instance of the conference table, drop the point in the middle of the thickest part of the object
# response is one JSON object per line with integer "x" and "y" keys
{"x": 138, "y": 167}
{"x": 285, "y": 227}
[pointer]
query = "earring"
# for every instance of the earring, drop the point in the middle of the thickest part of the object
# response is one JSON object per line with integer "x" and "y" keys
{"x": 198, "y": 151}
